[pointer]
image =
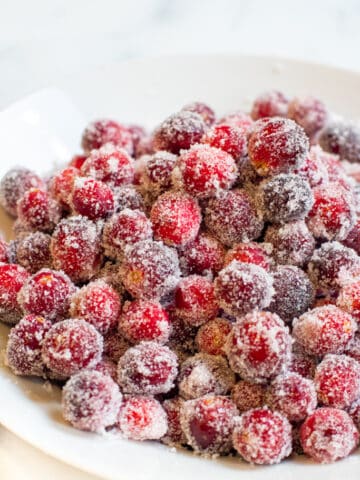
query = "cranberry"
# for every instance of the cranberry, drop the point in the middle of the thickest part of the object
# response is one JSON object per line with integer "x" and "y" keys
{"x": 248, "y": 395}
{"x": 203, "y": 255}
{"x": 128, "y": 197}
{"x": 270, "y": 104}
{"x": 228, "y": 138}
{"x": 211, "y": 336}
{"x": 353, "y": 348}
{"x": 157, "y": 174}
{"x": 61, "y": 185}
{"x": 77, "y": 161}
{"x": 14, "y": 184}
{"x": 33, "y": 251}
{"x": 92, "y": 198}
{"x": 91, "y": 401}
{"x": 353, "y": 237}
{"x": 342, "y": 139}
{"x": 354, "y": 412}
{"x": 314, "y": 169}
{"x": 100, "y": 132}
{"x": 349, "y": 299}
{"x": 239, "y": 119}
{"x": 107, "y": 367}
{"x": 37, "y": 211}
{"x": 12, "y": 278}
{"x": 205, "y": 112}
{"x": 262, "y": 437}
{"x": 309, "y": 112}
{"x": 174, "y": 435}
{"x": 250, "y": 252}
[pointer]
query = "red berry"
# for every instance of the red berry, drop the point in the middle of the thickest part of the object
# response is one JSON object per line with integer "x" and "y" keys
{"x": 77, "y": 161}
{"x": 92, "y": 198}
{"x": 71, "y": 345}
{"x": 228, "y": 138}
{"x": 250, "y": 252}
{"x": 12, "y": 278}
{"x": 314, "y": 169}
{"x": 353, "y": 348}
{"x": 324, "y": 330}
{"x": 143, "y": 320}
{"x": 302, "y": 363}
{"x": 157, "y": 174}
{"x": 23, "y": 350}
{"x": 248, "y": 395}
{"x": 203, "y": 255}
{"x": 37, "y": 211}
{"x": 328, "y": 435}
{"x": 61, "y": 185}
{"x": 259, "y": 346}
{"x": 91, "y": 401}
{"x": 277, "y": 145}
{"x": 239, "y": 119}
{"x": 127, "y": 197}
{"x": 211, "y": 337}
{"x": 138, "y": 133}
{"x": 147, "y": 369}
{"x": 353, "y": 237}
{"x": 107, "y": 367}
{"x": 142, "y": 418}
{"x": 270, "y": 104}
{"x": 342, "y": 139}
{"x": 203, "y": 171}
{"x": 33, "y": 251}
{"x": 262, "y": 437}
{"x": 100, "y": 132}
{"x": 349, "y": 299}
{"x": 174, "y": 435}
{"x": 205, "y": 112}
{"x": 309, "y": 112}
{"x": 14, "y": 184}
{"x": 208, "y": 423}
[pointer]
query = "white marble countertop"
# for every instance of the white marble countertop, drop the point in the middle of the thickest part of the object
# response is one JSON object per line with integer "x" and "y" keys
{"x": 41, "y": 40}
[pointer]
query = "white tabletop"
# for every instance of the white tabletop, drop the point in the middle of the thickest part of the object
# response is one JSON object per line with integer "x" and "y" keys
{"x": 41, "y": 40}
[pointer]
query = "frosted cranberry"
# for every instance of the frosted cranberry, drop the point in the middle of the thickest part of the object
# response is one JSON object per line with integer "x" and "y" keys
{"x": 247, "y": 395}
{"x": 92, "y": 198}
{"x": 71, "y": 345}
{"x": 144, "y": 320}
{"x": 328, "y": 435}
{"x": 33, "y": 251}
{"x": 179, "y": 132}
{"x": 231, "y": 218}
{"x": 342, "y": 139}
{"x": 174, "y": 435}
{"x": 127, "y": 197}
{"x": 61, "y": 185}
{"x": 91, "y": 401}
{"x": 314, "y": 169}
{"x": 292, "y": 395}
{"x": 262, "y": 437}
{"x": 37, "y": 211}
{"x": 352, "y": 239}
{"x": 259, "y": 346}
{"x": 309, "y": 112}
{"x": 157, "y": 172}
{"x": 354, "y": 412}
{"x": 238, "y": 119}
{"x": 292, "y": 243}
{"x": 142, "y": 418}
{"x": 285, "y": 198}
{"x": 337, "y": 380}
{"x": 147, "y": 369}
{"x": 205, "y": 112}
{"x": 77, "y": 161}
{"x": 204, "y": 171}
{"x": 12, "y": 278}
{"x": 115, "y": 345}
{"x": 302, "y": 363}
{"x": 251, "y": 252}
{"x": 150, "y": 270}
{"x": 4, "y": 251}
{"x": 330, "y": 263}
{"x": 203, "y": 255}
{"x": 208, "y": 423}
{"x": 270, "y": 104}
{"x": 353, "y": 348}
{"x": 98, "y": 304}
{"x": 125, "y": 228}
{"x": 111, "y": 165}
{"x": 211, "y": 336}
{"x": 107, "y": 367}
{"x": 324, "y": 330}
{"x": 228, "y": 138}
{"x": 195, "y": 300}
{"x": 204, "y": 374}
{"x": 23, "y": 350}
{"x": 349, "y": 299}
{"x": 332, "y": 215}
{"x": 176, "y": 218}
{"x": 75, "y": 248}
{"x": 14, "y": 184}
{"x": 100, "y": 132}
{"x": 277, "y": 145}
{"x": 242, "y": 287}
{"x": 47, "y": 293}
{"x": 293, "y": 292}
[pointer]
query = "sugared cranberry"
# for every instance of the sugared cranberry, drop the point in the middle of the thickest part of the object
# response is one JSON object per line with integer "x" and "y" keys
{"x": 262, "y": 437}
{"x": 203, "y": 255}
{"x": 342, "y": 139}
{"x": 231, "y": 217}
{"x": 107, "y": 367}
{"x": 38, "y": 211}
{"x": 270, "y": 104}
{"x": 128, "y": 197}
{"x": 92, "y": 198}
{"x": 142, "y": 418}
{"x": 353, "y": 237}
{"x": 314, "y": 169}
{"x": 23, "y": 350}
{"x": 328, "y": 435}
{"x": 61, "y": 185}
{"x": 12, "y": 278}
{"x": 242, "y": 287}
{"x": 33, "y": 251}
{"x": 239, "y": 119}
{"x": 143, "y": 320}
{"x": 208, "y": 423}
{"x": 309, "y": 112}
{"x": 228, "y": 138}
{"x": 211, "y": 336}
{"x": 248, "y": 395}
{"x": 71, "y": 345}
{"x": 324, "y": 330}
{"x": 277, "y": 145}
{"x": 259, "y": 346}
{"x": 349, "y": 299}
{"x": 100, "y": 132}
{"x": 302, "y": 363}
{"x": 157, "y": 173}
{"x": 147, "y": 369}
{"x": 354, "y": 412}
{"x": 77, "y": 161}
{"x": 179, "y": 132}
{"x": 174, "y": 435}
{"x": 206, "y": 112}
{"x": 91, "y": 401}
{"x": 250, "y": 252}
{"x": 14, "y": 184}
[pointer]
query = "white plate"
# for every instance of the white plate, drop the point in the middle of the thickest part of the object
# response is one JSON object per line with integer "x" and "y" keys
{"x": 45, "y": 128}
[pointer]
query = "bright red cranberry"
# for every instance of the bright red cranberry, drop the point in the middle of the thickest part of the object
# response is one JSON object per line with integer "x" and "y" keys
{"x": 231, "y": 218}
{"x": 203, "y": 255}
{"x": 248, "y": 395}
{"x": 77, "y": 161}
{"x": 205, "y": 112}
{"x": 33, "y": 251}
{"x": 228, "y": 138}
{"x": 249, "y": 252}
{"x": 208, "y": 423}
{"x": 174, "y": 435}
{"x": 324, "y": 330}
{"x": 142, "y": 418}
{"x": 71, "y": 345}
{"x": 12, "y": 278}
{"x": 61, "y": 185}
{"x": 143, "y": 320}
{"x": 309, "y": 112}
{"x": 262, "y": 437}
{"x": 343, "y": 139}
{"x": 23, "y": 350}
{"x": 92, "y": 198}
{"x": 91, "y": 401}
{"x": 259, "y": 346}
{"x": 242, "y": 287}
{"x": 349, "y": 299}
{"x": 204, "y": 171}
{"x": 14, "y": 184}
{"x": 211, "y": 337}
{"x": 38, "y": 211}
{"x": 179, "y": 132}
{"x": 328, "y": 435}
{"x": 100, "y": 132}
{"x": 270, "y": 104}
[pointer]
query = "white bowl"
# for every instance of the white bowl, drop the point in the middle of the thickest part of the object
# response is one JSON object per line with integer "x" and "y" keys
{"x": 45, "y": 128}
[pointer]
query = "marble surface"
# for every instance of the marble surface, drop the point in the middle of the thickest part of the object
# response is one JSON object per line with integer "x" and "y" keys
{"x": 42, "y": 40}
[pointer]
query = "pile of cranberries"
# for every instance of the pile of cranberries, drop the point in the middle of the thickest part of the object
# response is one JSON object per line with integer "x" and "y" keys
{"x": 197, "y": 285}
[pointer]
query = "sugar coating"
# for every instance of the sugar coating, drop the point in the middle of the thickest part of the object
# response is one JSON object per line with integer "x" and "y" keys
{"x": 91, "y": 401}
{"x": 302, "y": 363}
{"x": 342, "y": 138}
{"x": 104, "y": 131}
{"x": 270, "y": 104}
{"x": 211, "y": 337}
{"x": 204, "y": 110}
{"x": 349, "y": 299}
{"x": 156, "y": 176}
{"x": 353, "y": 348}
{"x": 353, "y": 237}
{"x": 106, "y": 366}
{"x": 92, "y": 198}
{"x": 204, "y": 255}
{"x": 314, "y": 169}
{"x": 248, "y": 395}
{"x": 251, "y": 252}
{"x": 36, "y": 210}
{"x": 12, "y": 278}
{"x": 128, "y": 197}
{"x": 33, "y": 251}
{"x": 229, "y": 138}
